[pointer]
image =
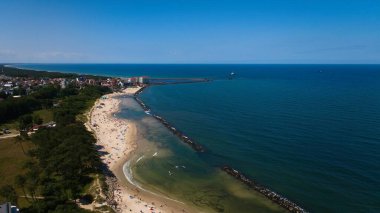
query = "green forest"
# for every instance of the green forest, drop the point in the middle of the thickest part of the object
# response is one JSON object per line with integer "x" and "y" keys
{"x": 62, "y": 160}
{"x": 17, "y": 72}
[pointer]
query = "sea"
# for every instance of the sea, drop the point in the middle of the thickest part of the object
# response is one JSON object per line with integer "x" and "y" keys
{"x": 308, "y": 132}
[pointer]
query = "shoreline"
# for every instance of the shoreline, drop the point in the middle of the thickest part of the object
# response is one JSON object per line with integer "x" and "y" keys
{"x": 271, "y": 195}
{"x": 117, "y": 141}
{"x": 185, "y": 139}
{"x": 121, "y": 187}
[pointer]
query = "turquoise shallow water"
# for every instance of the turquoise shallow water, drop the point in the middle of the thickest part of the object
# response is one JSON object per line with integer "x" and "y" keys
{"x": 163, "y": 164}
{"x": 310, "y": 132}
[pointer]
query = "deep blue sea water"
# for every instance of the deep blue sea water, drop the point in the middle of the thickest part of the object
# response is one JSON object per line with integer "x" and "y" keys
{"x": 310, "y": 132}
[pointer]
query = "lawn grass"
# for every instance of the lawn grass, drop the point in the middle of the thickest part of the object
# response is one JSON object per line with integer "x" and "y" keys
{"x": 13, "y": 125}
{"x": 45, "y": 114}
{"x": 12, "y": 160}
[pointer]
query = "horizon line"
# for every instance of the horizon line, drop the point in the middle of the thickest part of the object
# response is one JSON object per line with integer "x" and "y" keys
{"x": 126, "y": 63}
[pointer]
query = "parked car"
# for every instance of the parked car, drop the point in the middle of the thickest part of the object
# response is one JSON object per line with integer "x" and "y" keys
{"x": 6, "y": 131}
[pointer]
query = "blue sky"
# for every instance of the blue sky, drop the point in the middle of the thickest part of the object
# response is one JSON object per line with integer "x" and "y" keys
{"x": 190, "y": 31}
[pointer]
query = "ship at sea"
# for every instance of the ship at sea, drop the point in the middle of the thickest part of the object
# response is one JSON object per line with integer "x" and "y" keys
{"x": 231, "y": 76}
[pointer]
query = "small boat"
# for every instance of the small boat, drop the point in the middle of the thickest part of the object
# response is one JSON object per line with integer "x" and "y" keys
{"x": 140, "y": 159}
{"x": 231, "y": 76}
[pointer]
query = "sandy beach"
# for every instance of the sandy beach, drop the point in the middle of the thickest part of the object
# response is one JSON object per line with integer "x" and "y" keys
{"x": 117, "y": 139}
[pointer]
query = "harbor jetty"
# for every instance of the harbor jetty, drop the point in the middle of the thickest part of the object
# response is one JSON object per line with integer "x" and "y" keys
{"x": 145, "y": 80}
{"x": 163, "y": 81}
{"x": 176, "y": 132}
{"x": 271, "y": 195}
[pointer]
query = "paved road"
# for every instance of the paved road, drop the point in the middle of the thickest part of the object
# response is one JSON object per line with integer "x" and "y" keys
{"x": 12, "y": 135}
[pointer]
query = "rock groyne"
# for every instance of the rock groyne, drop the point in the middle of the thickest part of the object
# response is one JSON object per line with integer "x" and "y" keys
{"x": 271, "y": 195}
{"x": 171, "y": 128}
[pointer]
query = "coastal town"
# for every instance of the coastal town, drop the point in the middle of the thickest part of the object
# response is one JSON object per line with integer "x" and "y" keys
{"x": 16, "y": 86}
{"x": 21, "y": 86}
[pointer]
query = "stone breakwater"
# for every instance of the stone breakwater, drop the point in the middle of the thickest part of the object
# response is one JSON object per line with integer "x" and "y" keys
{"x": 171, "y": 128}
{"x": 271, "y": 195}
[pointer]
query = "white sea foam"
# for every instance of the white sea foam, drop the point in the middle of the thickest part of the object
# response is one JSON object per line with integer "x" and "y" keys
{"x": 140, "y": 159}
{"x": 129, "y": 176}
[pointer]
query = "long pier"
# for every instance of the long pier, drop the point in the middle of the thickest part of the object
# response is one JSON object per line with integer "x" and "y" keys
{"x": 163, "y": 81}
{"x": 270, "y": 194}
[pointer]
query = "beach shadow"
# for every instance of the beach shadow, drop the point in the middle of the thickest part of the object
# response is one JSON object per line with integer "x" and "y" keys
{"x": 103, "y": 153}
{"x": 106, "y": 170}
{"x": 99, "y": 147}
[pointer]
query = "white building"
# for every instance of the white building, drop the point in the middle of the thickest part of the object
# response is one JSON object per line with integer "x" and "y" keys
{"x": 63, "y": 84}
{"x": 8, "y": 208}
